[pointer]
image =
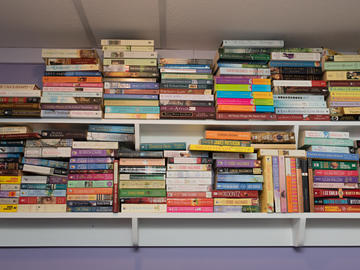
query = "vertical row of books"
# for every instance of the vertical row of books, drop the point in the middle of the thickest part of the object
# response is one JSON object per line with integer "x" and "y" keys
{"x": 142, "y": 186}
{"x": 342, "y": 72}
{"x": 131, "y": 89}
{"x": 19, "y": 100}
{"x": 299, "y": 92}
{"x": 12, "y": 142}
{"x": 333, "y": 171}
{"x": 93, "y": 169}
{"x": 189, "y": 180}
{"x": 72, "y": 84}
{"x": 45, "y": 168}
{"x": 242, "y": 82}
{"x": 186, "y": 89}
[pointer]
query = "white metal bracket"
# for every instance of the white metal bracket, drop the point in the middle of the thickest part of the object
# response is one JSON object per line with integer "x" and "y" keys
{"x": 135, "y": 232}
{"x": 299, "y": 226}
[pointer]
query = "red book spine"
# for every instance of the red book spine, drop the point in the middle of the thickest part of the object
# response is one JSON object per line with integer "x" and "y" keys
{"x": 42, "y": 200}
{"x": 340, "y": 193}
{"x": 335, "y": 173}
{"x": 235, "y": 194}
{"x": 245, "y": 116}
{"x": 318, "y": 83}
{"x": 17, "y": 100}
{"x": 190, "y": 202}
{"x": 343, "y": 83}
{"x": 20, "y": 136}
{"x": 116, "y": 207}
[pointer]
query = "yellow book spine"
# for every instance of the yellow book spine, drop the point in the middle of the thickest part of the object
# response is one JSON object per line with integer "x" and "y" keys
{"x": 8, "y": 208}
{"x": 351, "y": 110}
{"x": 274, "y": 146}
{"x": 10, "y": 179}
{"x": 262, "y": 95}
{"x": 347, "y": 58}
{"x": 42, "y": 208}
{"x": 267, "y": 194}
{"x": 223, "y": 201}
{"x": 138, "y": 184}
{"x": 221, "y": 148}
{"x": 345, "y": 94}
{"x": 143, "y": 208}
{"x": 342, "y": 75}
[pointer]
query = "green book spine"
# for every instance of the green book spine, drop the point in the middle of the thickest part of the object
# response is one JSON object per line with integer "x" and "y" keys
{"x": 163, "y": 146}
{"x": 225, "y": 142}
{"x": 244, "y": 56}
{"x": 341, "y": 65}
{"x": 326, "y": 141}
{"x": 90, "y": 184}
{"x": 344, "y": 88}
{"x": 264, "y": 102}
{"x": 334, "y": 165}
{"x": 142, "y": 193}
{"x": 232, "y": 87}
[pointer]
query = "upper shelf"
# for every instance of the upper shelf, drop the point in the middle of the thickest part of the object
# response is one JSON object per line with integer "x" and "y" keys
{"x": 179, "y": 24}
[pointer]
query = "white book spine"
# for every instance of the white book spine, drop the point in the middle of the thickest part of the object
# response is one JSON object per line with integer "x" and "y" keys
{"x": 331, "y": 149}
{"x": 326, "y": 134}
{"x": 192, "y": 187}
{"x": 244, "y": 71}
{"x": 20, "y": 93}
{"x": 95, "y": 145}
{"x": 302, "y": 110}
{"x": 34, "y": 179}
{"x": 70, "y": 114}
{"x": 120, "y": 54}
{"x": 188, "y": 181}
{"x": 71, "y": 94}
{"x": 295, "y": 56}
{"x": 308, "y": 98}
{"x": 186, "y": 97}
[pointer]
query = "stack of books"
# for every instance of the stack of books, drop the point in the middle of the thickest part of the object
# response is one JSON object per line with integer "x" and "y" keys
{"x": 72, "y": 84}
{"x": 12, "y": 142}
{"x": 299, "y": 92}
{"x": 186, "y": 90}
{"x": 237, "y": 180}
{"x": 242, "y": 82}
{"x": 130, "y": 75}
{"x": 19, "y": 100}
{"x": 333, "y": 171}
{"x": 342, "y": 75}
{"x": 142, "y": 186}
{"x": 92, "y": 173}
{"x": 45, "y": 163}
{"x": 189, "y": 181}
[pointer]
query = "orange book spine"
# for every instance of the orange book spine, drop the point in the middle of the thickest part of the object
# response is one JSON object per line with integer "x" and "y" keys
{"x": 142, "y": 162}
{"x": 293, "y": 187}
{"x": 235, "y": 108}
{"x": 65, "y": 79}
{"x": 261, "y": 81}
{"x": 288, "y": 185}
{"x": 227, "y": 135}
{"x": 89, "y": 191}
{"x": 190, "y": 202}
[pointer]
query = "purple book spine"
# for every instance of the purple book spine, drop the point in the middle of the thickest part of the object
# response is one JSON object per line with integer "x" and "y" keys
{"x": 5, "y": 194}
{"x": 57, "y": 180}
{"x": 220, "y": 80}
{"x": 51, "y": 106}
{"x": 186, "y": 109}
{"x": 91, "y": 153}
{"x": 92, "y": 160}
{"x": 276, "y": 179}
{"x": 336, "y": 179}
{"x": 237, "y": 163}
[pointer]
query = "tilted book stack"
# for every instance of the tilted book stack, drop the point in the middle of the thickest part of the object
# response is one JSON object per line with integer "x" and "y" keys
{"x": 189, "y": 181}
{"x": 299, "y": 92}
{"x": 242, "y": 81}
{"x": 45, "y": 168}
{"x": 130, "y": 79}
{"x": 19, "y": 101}
{"x": 72, "y": 84}
{"x": 342, "y": 72}
{"x": 333, "y": 171}
{"x": 186, "y": 89}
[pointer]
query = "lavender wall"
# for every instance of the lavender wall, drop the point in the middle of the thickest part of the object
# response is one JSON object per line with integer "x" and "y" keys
{"x": 163, "y": 258}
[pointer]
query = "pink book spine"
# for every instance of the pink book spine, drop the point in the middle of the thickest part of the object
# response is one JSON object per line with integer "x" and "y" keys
{"x": 73, "y": 89}
{"x": 106, "y": 176}
{"x": 282, "y": 182}
{"x": 335, "y": 173}
{"x": 82, "y": 84}
{"x": 294, "y": 191}
{"x": 190, "y": 209}
{"x": 235, "y": 101}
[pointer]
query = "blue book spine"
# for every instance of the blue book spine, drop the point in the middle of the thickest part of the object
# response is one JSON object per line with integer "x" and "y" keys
{"x": 11, "y": 149}
{"x": 264, "y": 108}
{"x": 134, "y": 85}
{"x": 261, "y": 88}
{"x": 43, "y": 186}
{"x": 233, "y": 94}
{"x": 74, "y": 73}
{"x": 332, "y": 201}
{"x": 12, "y": 143}
{"x": 48, "y": 192}
{"x": 179, "y": 66}
{"x": 119, "y": 96}
{"x": 332, "y": 156}
{"x": 239, "y": 186}
{"x": 6, "y": 155}
{"x": 239, "y": 178}
{"x": 131, "y": 109}
{"x": 99, "y": 166}
{"x": 111, "y": 129}
{"x": 45, "y": 162}
{"x": 89, "y": 208}
{"x": 294, "y": 64}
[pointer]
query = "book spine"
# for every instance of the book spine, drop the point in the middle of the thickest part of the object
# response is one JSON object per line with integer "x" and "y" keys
{"x": 305, "y": 185}
{"x": 236, "y": 178}
{"x": 302, "y": 111}
{"x": 42, "y": 193}
{"x": 92, "y": 153}
{"x": 90, "y": 184}
{"x": 228, "y": 201}
{"x": 276, "y": 181}
{"x": 42, "y": 208}
{"x": 79, "y": 191}
{"x": 92, "y": 160}
{"x": 336, "y": 179}
{"x": 334, "y": 165}
{"x": 90, "y": 177}
{"x": 142, "y": 193}
{"x": 143, "y": 208}
{"x": 240, "y": 163}
{"x": 139, "y": 184}
{"x": 294, "y": 186}
{"x": 186, "y": 202}
{"x": 43, "y": 186}
{"x": 191, "y": 194}
{"x": 336, "y": 173}
{"x": 239, "y": 186}
{"x": 267, "y": 195}
{"x": 189, "y": 209}
{"x": 186, "y": 160}
{"x": 190, "y": 167}
{"x": 162, "y": 146}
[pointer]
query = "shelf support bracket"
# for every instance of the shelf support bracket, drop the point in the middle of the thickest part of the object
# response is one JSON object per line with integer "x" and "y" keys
{"x": 135, "y": 232}
{"x": 299, "y": 226}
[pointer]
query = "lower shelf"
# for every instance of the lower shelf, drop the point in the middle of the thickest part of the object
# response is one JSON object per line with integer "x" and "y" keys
{"x": 170, "y": 229}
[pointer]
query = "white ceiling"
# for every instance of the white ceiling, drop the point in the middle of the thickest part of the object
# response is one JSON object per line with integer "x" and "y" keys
{"x": 179, "y": 24}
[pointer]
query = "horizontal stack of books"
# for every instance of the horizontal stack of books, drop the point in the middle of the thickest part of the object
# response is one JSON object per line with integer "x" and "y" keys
{"x": 130, "y": 75}
{"x": 19, "y": 100}
{"x": 186, "y": 90}
{"x": 72, "y": 84}
{"x": 342, "y": 74}
{"x": 333, "y": 171}
{"x": 189, "y": 181}
{"x": 237, "y": 66}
